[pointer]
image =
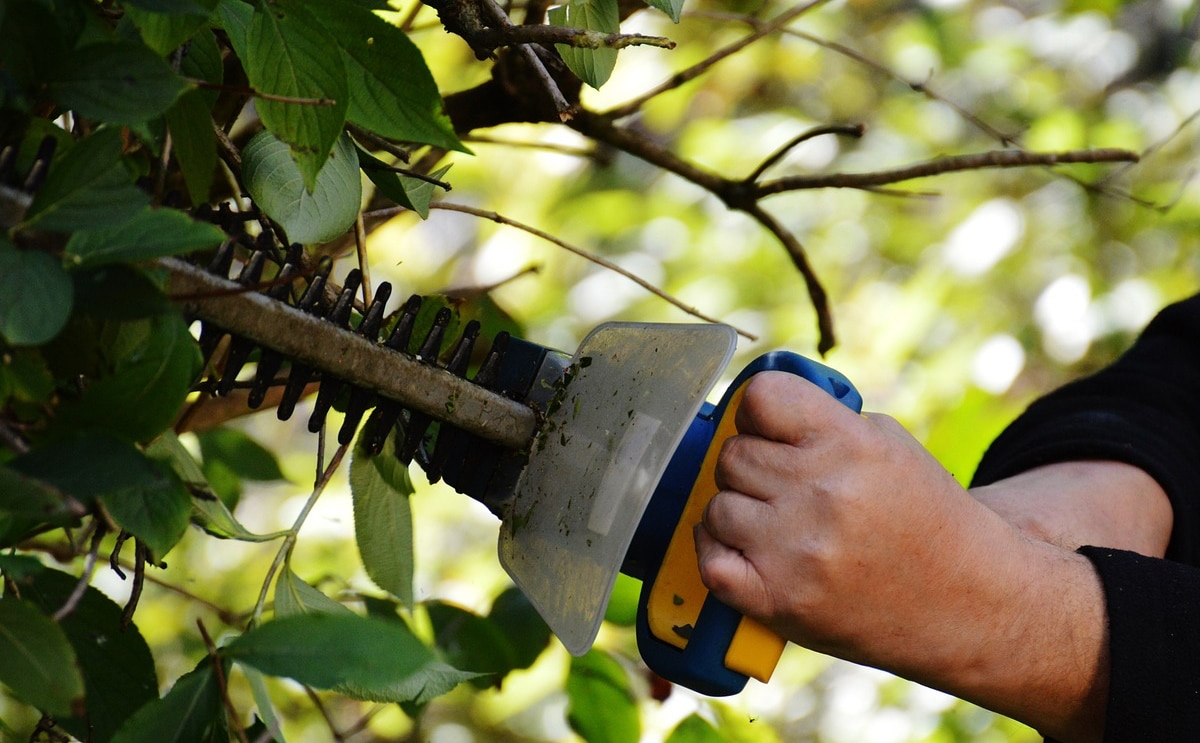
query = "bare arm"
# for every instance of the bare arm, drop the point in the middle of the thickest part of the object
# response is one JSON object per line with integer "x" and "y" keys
{"x": 844, "y": 535}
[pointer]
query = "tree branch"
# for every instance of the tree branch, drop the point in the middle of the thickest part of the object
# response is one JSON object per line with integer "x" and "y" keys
{"x": 940, "y": 166}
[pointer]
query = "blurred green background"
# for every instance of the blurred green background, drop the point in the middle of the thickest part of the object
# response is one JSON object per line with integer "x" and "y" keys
{"x": 956, "y": 299}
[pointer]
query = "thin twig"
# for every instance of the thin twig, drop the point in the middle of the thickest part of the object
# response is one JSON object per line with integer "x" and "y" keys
{"x": 222, "y": 684}
{"x": 586, "y": 255}
{"x": 289, "y": 539}
{"x": 494, "y": 38}
{"x": 85, "y": 579}
{"x": 139, "y": 581}
{"x": 849, "y": 130}
{"x": 942, "y": 165}
{"x": 379, "y": 142}
{"x": 683, "y": 76}
{"x": 561, "y": 105}
{"x": 316, "y": 700}
{"x": 562, "y": 149}
{"x": 228, "y": 616}
{"x": 364, "y": 265}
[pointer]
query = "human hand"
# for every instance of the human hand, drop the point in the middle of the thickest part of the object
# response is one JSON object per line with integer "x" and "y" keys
{"x": 841, "y": 533}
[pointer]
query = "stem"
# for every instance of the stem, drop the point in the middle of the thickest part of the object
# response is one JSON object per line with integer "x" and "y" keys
{"x": 289, "y": 539}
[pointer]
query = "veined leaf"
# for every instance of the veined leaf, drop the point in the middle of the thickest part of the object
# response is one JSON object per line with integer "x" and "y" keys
{"x": 119, "y": 82}
{"x": 153, "y": 363}
{"x": 151, "y": 233}
{"x": 593, "y": 66}
{"x": 118, "y": 670}
{"x": 195, "y": 145}
{"x": 165, "y": 31}
{"x": 392, "y": 92}
{"x": 308, "y": 215}
{"x": 87, "y": 187}
{"x": 289, "y": 54}
{"x": 328, "y": 650}
{"x": 294, "y": 596}
{"x": 235, "y": 18}
{"x": 671, "y": 7}
{"x": 188, "y": 713}
{"x": 405, "y": 190}
{"x": 35, "y": 296}
{"x": 36, "y": 661}
{"x": 380, "y": 487}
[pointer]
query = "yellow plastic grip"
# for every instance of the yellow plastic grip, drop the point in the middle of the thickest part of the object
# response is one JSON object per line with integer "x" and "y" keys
{"x": 678, "y": 594}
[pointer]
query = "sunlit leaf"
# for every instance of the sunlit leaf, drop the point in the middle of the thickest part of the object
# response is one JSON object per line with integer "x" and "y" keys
{"x": 695, "y": 729}
{"x": 151, "y": 233}
{"x": 593, "y": 66}
{"x": 380, "y": 487}
{"x": 118, "y": 670}
{"x": 328, "y": 650}
{"x": 601, "y": 705}
{"x": 392, "y": 92}
{"x": 290, "y": 54}
{"x": 671, "y": 7}
{"x": 118, "y": 82}
{"x": 36, "y": 661}
{"x": 276, "y": 184}
{"x": 405, "y": 190}
{"x": 188, "y": 713}
{"x": 35, "y": 296}
{"x": 294, "y": 596}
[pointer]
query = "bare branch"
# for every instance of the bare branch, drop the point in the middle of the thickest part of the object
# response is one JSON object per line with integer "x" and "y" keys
{"x": 849, "y": 130}
{"x": 942, "y": 165}
{"x": 576, "y": 37}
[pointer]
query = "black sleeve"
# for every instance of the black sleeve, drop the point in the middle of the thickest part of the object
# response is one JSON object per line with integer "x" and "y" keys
{"x": 1144, "y": 410}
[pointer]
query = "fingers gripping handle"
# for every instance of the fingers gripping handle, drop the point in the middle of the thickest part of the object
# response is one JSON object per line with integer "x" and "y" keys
{"x": 684, "y": 634}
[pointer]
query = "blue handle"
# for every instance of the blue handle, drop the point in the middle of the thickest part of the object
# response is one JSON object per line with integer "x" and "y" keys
{"x": 700, "y": 665}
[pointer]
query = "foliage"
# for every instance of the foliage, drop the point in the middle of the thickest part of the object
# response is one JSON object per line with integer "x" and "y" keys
{"x": 780, "y": 178}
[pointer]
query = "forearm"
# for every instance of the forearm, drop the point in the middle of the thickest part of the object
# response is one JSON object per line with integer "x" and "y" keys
{"x": 1072, "y": 504}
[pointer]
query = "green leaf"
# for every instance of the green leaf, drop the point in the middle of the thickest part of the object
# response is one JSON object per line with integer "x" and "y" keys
{"x": 405, "y": 190}
{"x": 329, "y": 650}
{"x": 623, "y": 603}
{"x": 308, "y": 215}
{"x": 294, "y": 596}
{"x": 35, "y": 296}
{"x": 380, "y": 487}
{"x": 118, "y": 670}
{"x": 392, "y": 92}
{"x": 235, "y": 18}
{"x": 153, "y": 363}
{"x": 593, "y": 66}
{"x": 195, "y": 143}
{"x": 87, "y": 187}
{"x": 119, "y": 292}
{"x": 524, "y": 629}
{"x": 430, "y": 682}
{"x": 266, "y": 710}
{"x": 164, "y": 31}
{"x": 36, "y": 500}
{"x": 695, "y": 729}
{"x": 601, "y": 705}
{"x": 244, "y": 456}
{"x": 119, "y": 82}
{"x": 141, "y": 495}
{"x": 173, "y": 7}
{"x": 16, "y": 567}
{"x": 188, "y": 713}
{"x": 470, "y": 641}
{"x": 288, "y": 54}
{"x": 36, "y": 661}
{"x": 671, "y": 7}
{"x": 151, "y": 233}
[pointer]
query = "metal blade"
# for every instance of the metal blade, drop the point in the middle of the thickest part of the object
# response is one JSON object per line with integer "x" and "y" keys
{"x": 635, "y": 391}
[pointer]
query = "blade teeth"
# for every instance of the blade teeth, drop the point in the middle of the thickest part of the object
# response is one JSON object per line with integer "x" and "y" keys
{"x": 434, "y": 452}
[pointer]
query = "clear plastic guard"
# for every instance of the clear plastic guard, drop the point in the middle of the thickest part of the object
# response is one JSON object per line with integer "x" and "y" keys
{"x": 635, "y": 391}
